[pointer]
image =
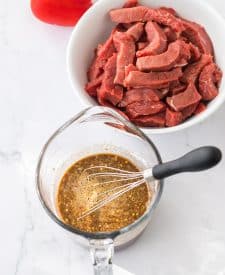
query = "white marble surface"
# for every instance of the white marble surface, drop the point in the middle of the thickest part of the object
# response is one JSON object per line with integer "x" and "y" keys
{"x": 187, "y": 233}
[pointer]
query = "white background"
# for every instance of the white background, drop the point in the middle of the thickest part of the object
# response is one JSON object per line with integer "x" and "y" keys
{"x": 187, "y": 233}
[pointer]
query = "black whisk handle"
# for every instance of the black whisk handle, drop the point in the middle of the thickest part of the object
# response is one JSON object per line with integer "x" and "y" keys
{"x": 197, "y": 160}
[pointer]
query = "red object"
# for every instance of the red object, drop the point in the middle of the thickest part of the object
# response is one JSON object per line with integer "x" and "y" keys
{"x": 156, "y": 38}
{"x": 173, "y": 118}
{"x": 144, "y": 108}
{"x": 59, "y": 12}
{"x": 185, "y": 99}
{"x": 157, "y": 120}
{"x": 158, "y": 75}
{"x": 201, "y": 108}
{"x": 208, "y": 82}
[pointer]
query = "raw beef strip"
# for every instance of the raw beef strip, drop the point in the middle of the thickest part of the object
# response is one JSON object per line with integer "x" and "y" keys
{"x": 129, "y": 15}
{"x": 191, "y": 73}
{"x": 136, "y": 95}
{"x": 122, "y": 27}
{"x": 189, "y": 111}
{"x": 142, "y": 45}
{"x": 176, "y": 87}
{"x": 150, "y": 121}
{"x": 144, "y": 108}
{"x": 173, "y": 118}
{"x": 163, "y": 92}
{"x": 201, "y": 108}
{"x": 170, "y": 34}
{"x": 102, "y": 98}
{"x": 156, "y": 67}
{"x": 130, "y": 4}
{"x": 207, "y": 84}
{"x": 103, "y": 53}
{"x": 189, "y": 97}
{"x": 153, "y": 80}
{"x": 145, "y": 14}
{"x": 169, "y": 10}
{"x": 157, "y": 40}
{"x": 130, "y": 68}
{"x": 218, "y": 74}
{"x": 108, "y": 90}
{"x": 198, "y": 36}
{"x": 165, "y": 18}
{"x": 115, "y": 95}
{"x": 107, "y": 49}
{"x": 166, "y": 60}
{"x": 161, "y": 62}
{"x": 103, "y": 102}
{"x": 92, "y": 86}
{"x": 126, "y": 53}
{"x": 195, "y": 53}
{"x": 136, "y": 31}
{"x": 185, "y": 50}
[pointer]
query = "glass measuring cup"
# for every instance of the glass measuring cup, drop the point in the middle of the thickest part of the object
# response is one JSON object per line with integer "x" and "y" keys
{"x": 96, "y": 130}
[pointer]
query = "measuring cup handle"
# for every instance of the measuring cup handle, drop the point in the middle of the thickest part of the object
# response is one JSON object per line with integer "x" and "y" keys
{"x": 102, "y": 252}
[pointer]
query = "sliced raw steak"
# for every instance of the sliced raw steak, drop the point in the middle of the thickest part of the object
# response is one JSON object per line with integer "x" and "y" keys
{"x": 130, "y": 68}
{"x": 165, "y": 61}
{"x": 218, "y": 74}
{"x": 156, "y": 67}
{"x": 130, "y": 4}
{"x": 176, "y": 87}
{"x": 145, "y": 14}
{"x": 142, "y": 45}
{"x": 169, "y": 10}
{"x": 144, "y": 108}
{"x": 108, "y": 90}
{"x": 207, "y": 84}
{"x": 136, "y": 31}
{"x": 126, "y": 53}
{"x": 165, "y": 18}
{"x": 103, "y": 102}
{"x": 151, "y": 121}
{"x": 170, "y": 34}
{"x": 124, "y": 27}
{"x": 104, "y": 52}
{"x": 92, "y": 86}
{"x": 195, "y": 53}
{"x": 153, "y": 80}
{"x": 191, "y": 73}
{"x": 157, "y": 40}
{"x": 201, "y": 108}
{"x": 189, "y": 111}
{"x": 163, "y": 92}
{"x": 173, "y": 118}
{"x": 189, "y": 97}
{"x": 198, "y": 36}
{"x": 137, "y": 95}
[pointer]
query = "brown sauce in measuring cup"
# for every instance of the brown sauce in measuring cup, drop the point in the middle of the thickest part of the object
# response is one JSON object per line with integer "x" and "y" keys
{"x": 77, "y": 194}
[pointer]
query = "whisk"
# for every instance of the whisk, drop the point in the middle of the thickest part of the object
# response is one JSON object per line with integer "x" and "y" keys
{"x": 197, "y": 160}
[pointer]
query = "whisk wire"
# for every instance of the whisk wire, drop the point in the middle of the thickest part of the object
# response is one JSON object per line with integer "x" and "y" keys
{"x": 103, "y": 202}
{"x": 119, "y": 180}
{"x": 119, "y": 171}
{"x": 113, "y": 189}
{"x": 122, "y": 175}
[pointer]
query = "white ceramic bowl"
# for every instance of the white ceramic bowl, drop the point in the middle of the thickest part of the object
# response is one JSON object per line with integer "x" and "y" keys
{"x": 95, "y": 26}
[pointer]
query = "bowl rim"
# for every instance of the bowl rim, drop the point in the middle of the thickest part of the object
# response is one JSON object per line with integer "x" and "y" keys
{"x": 87, "y": 101}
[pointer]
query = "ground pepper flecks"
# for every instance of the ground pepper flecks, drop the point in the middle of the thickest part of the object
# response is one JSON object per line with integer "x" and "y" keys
{"x": 77, "y": 194}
